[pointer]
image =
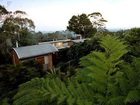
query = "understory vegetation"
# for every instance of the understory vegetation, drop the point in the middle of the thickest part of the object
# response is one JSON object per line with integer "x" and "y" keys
{"x": 102, "y": 78}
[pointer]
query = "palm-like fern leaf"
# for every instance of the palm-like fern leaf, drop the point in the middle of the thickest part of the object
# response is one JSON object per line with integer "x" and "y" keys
{"x": 98, "y": 68}
{"x": 52, "y": 91}
{"x": 133, "y": 96}
{"x": 103, "y": 79}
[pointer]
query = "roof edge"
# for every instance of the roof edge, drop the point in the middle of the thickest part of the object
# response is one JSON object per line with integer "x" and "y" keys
{"x": 16, "y": 53}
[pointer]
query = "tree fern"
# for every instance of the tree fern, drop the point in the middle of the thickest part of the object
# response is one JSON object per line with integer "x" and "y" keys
{"x": 52, "y": 91}
{"x": 98, "y": 68}
{"x": 132, "y": 76}
{"x": 133, "y": 96}
{"x": 103, "y": 79}
{"x": 119, "y": 100}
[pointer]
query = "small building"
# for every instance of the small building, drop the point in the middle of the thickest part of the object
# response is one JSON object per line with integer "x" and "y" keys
{"x": 60, "y": 44}
{"x": 79, "y": 36}
{"x": 42, "y": 53}
{"x": 78, "y": 40}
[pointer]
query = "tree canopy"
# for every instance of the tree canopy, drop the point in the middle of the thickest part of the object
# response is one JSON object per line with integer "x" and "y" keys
{"x": 15, "y": 26}
{"x": 81, "y": 25}
{"x": 97, "y": 20}
{"x": 132, "y": 37}
{"x": 86, "y": 25}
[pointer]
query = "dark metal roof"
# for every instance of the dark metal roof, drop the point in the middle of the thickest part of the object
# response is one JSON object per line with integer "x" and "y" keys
{"x": 34, "y": 50}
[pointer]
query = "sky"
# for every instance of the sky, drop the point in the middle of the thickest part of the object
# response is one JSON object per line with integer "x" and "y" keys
{"x": 53, "y": 15}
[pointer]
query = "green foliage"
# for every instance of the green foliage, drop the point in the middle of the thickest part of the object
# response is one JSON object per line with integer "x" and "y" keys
{"x": 114, "y": 50}
{"x": 98, "y": 21}
{"x": 4, "y": 102}
{"x": 14, "y": 26}
{"x": 52, "y": 91}
{"x": 27, "y": 38}
{"x": 104, "y": 79}
{"x": 52, "y": 36}
{"x": 132, "y": 77}
{"x": 69, "y": 58}
{"x": 109, "y": 76}
{"x": 81, "y": 24}
{"x": 79, "y": 50}
{"x": 99, "y": 68}
{"x": 133, "y": 96}
{"x": 87, "y": 25}
{"x": 11, "y": 76}
{"x": 56, "y": 36}
{"x": 3, "y": 10}
{"x": 132, "y": 37}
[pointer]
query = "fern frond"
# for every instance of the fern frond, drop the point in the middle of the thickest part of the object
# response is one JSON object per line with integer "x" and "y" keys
{"x": 116, "y": 101}
{"x": 133, "y": 96}
{"x": 46, "y": 90}
{"x": 114, "y": 48}
{"x": 100, "y": 68}
{"x": 100, "y": 81}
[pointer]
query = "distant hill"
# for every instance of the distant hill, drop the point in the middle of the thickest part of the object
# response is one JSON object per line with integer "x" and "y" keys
{"x": 114, "y": 29}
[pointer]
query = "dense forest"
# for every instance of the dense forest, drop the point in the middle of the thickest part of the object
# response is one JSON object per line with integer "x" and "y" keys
{"x": 103, "y": 70}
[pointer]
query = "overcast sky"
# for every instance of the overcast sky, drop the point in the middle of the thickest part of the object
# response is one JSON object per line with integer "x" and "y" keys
{"x": 53, "y": 15}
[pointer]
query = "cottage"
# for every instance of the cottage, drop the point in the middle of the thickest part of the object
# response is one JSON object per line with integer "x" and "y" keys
{"x": 41, "y": 53}
{"x": 60, "y": 44}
